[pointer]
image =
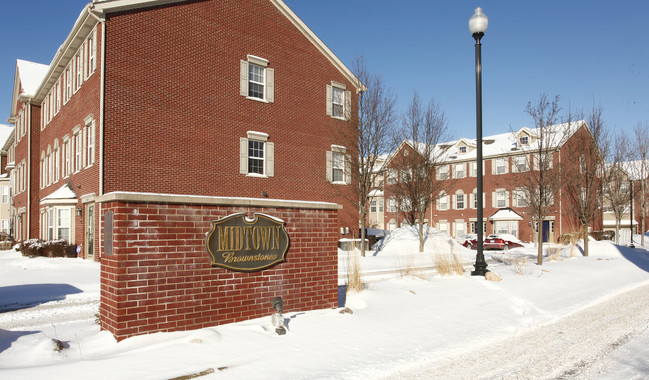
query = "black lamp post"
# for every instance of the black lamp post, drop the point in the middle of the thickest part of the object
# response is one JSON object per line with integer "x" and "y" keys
{"x": 478, "y": 25}
{"x": 631, "y": 245}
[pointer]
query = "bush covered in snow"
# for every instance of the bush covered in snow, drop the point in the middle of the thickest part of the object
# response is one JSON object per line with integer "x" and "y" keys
{"x": 53, "y": 248}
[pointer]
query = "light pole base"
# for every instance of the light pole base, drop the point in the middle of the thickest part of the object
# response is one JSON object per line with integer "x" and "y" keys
{"x": 480, "y": 266}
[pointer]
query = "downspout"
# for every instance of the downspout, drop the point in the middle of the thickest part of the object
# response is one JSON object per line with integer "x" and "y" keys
{"x": 102, "y": 95}
{"x": 102, "y": 21}
{"x": 29, "y": 168}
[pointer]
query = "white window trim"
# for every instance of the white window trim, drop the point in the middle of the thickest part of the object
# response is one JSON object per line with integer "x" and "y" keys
{"x": 269, "y": 79}
{"x": 347, "y": 100}
{"x": 269, "y": 155}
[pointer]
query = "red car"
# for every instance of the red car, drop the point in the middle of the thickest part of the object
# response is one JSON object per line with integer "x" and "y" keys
{"x": 493, "y": 241}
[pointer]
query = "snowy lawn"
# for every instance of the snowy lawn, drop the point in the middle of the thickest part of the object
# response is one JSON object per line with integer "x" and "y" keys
{"x": 396, "y": 325}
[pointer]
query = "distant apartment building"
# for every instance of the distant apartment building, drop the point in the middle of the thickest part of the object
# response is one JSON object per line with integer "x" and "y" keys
{"x": 506, "y": 158}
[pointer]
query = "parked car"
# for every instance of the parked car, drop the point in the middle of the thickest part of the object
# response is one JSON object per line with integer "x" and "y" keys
{"x": 494, "y": 241}
{"x": 464, "y": 238}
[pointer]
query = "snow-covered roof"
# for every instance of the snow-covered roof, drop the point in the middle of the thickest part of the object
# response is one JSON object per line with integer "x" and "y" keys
{"x": 31, "y": 75}
{"x": 505, "y": 214}
{"x": 64, "y": 192}
{"x": 5, "y": 132}
{"x": 636, "y": 169}
{"x": 375, "y": 193}
{"x": 501, "y": 144}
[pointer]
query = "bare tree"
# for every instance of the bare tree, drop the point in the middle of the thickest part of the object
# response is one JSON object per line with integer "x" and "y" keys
{"x": 539, "y": 185}
{"x": 424, "y": 128}
{"x": 639, "y": 170}
{"x": 582, "y": 168}
{"x": 373, "y": 136}
{"x": 616, "y": 182}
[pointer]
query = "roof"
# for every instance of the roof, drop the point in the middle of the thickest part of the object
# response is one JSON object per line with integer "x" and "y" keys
{"x": 505, "y": 214}
{"x": 31, "y": 75}
{"x": 64, "y": 192}
{"x": 5, "y": 133}
{"x": 497, "y": 145}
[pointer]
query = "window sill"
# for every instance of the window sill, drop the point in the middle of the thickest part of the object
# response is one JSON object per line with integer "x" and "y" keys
{"x": 339, "y": 118}
{"x": 255, "y": 175}
{"x": 339, "y": 183}
{"x": 257, "y": 99}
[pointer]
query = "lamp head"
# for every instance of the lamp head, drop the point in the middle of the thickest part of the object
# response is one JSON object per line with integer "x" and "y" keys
{"x": 478, "y": 24}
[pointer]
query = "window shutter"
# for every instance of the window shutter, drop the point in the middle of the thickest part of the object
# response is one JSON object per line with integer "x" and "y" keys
{"x": 270, "y": 159}
{"x": 348, "y": 105}
{"x": 243, "y": 156}
{"x": 472, "y": 200}
{"x": 506, "y": 159}
{"x": 270, "y": 85}
{"x": 329, "y": 165}
{"x": 244, "y": 80}
{"x": 506, "y": 198}
{"x": 494, "y": 202}
{"x": 453, "y": 200}
{"x": 329, "y": 100}
{"x": 348, "y": 169}
{"x": 437, "y": 203}
{"x": 493, "y": 166}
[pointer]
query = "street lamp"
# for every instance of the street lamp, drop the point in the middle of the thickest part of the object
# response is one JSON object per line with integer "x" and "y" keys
{"x": 478, "y": 25}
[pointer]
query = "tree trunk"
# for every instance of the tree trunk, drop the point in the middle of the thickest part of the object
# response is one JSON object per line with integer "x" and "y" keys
{"x": 539, "y": 260}
{"x": 585, "y": 227}
{"x": 421, "y": 235}
{"x": 363, "y": 226}
{"x": 617, "y": 232}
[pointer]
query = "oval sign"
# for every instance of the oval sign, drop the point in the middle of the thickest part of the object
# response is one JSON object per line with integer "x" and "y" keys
{"x": 240, "y": 244}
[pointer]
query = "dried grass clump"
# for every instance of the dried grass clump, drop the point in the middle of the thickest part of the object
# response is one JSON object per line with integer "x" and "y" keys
{"x": 554, "y": 252}
{"x": 354, "y": 282}
{"x": 521, "y": 266}
{"x": 409, "y": 269}
{"x": 39, "y": 248}
{"x": 448, "y": 265}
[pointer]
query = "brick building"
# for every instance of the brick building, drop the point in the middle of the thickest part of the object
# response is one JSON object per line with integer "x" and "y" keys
{"x": 155, "y": 118}
{"x": 178, "y": 97}
{"x": 506, "y": 157}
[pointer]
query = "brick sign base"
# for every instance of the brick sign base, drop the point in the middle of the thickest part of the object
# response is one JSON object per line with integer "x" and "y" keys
{"x": 156, "y": 273}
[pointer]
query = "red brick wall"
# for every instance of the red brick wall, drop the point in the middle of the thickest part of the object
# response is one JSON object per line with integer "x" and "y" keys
{"x": 174, "y": 115}
{"x": 159, "y": 277}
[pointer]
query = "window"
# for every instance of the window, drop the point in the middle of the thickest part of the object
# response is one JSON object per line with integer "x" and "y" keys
{"x": 5, "y": 194}
{"x": 79, "y": 72}
{"x": 520, "y": 163}
{"x": 63, "y": 224}
{"x": 373, "y": 206}
{"x": 443, "y": 226}
{"x": 66, "y": 156}
{"x": 338, "y": 101}
{"x": 257, "y": 80}
{"x": 459, "y": 200}
{"x": 442, "y": 201}
{"x": 524, "y": 140}
{"x": 78, "y": 150}
{"x": 68, "y": 83}
{"x": 338, "y": 165}
{"x": 392, "y": 204}
{"x": 460, "y": 170}
{"x": 500, "y": 166}
{"x": 500, "y": 198}
{"x": 520, "y": 200}
{"x": 460, "y": 228}
{"x": 91, "y": 54}
{"x": 463, "y": 149}
{"x": 257, "y": 155}
{"x": 391, "y": 176}
{"x": 90, "y": 142}
{"x": 405, "y": 204}
{"x": 50, "y": 225}
{"x": 442, "y": 172}
{"x": 56, "y": 156}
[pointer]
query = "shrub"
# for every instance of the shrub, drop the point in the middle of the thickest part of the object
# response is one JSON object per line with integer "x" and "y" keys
{"x": 53, "y": 248}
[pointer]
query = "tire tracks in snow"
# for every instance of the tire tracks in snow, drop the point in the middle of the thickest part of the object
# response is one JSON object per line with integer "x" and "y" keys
{"x": 577, "y": 346}
{"x": 47, "y": 313}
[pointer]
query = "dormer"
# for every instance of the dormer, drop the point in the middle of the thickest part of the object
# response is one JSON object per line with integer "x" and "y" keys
{"x": 524, "y": 137}
{"x": 464, "y": 146}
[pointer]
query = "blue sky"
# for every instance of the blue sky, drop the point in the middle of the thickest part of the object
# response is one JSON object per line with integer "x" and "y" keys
{"x": 585, "y": 51}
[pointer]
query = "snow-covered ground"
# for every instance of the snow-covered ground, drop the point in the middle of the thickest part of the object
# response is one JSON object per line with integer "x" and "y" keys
{"x": 416, "y": 324}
